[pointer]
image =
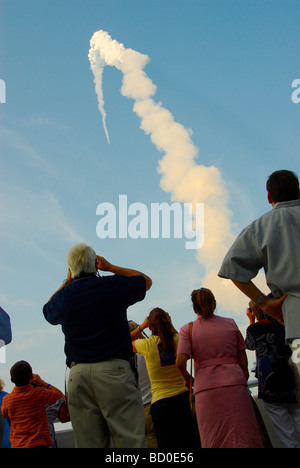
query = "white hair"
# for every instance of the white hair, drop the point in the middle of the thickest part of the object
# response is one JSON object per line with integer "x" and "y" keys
{"x": 81, "y": 258}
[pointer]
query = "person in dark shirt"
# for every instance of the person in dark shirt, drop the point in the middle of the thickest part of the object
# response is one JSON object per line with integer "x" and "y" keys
{"x": 104, "y": 400}
{"x": 5, "y": 338}
{"x": 276, "y": 381}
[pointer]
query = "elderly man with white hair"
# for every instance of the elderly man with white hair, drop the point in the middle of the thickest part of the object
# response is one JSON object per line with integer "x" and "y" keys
{"x": 104, "y": 400}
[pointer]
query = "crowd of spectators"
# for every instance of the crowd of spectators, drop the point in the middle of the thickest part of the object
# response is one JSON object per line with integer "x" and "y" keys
{"x": 128, "y": 390}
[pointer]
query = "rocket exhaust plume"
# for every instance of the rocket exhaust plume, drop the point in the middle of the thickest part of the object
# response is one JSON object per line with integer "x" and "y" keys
{"x": 186, "y": 181}
{"x": 97, "y": 68}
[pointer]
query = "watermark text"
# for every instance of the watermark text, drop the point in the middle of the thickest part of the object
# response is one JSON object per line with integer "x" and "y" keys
{"x": 162, "y": 220}
{"x": 2, "y": 92}
{"x": 296, "y": 351}
{"x": 296, "y": 94}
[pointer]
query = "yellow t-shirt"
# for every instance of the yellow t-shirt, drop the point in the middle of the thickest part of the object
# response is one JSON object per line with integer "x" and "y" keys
{"x": 166, "y": 380}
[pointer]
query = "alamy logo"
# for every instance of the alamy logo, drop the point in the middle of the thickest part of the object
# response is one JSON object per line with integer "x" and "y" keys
{"x": 296, "y": 94}
{"x": 135, "y": 221}
{"x": 296, "y": 352}
{"x": 2, "y": 92}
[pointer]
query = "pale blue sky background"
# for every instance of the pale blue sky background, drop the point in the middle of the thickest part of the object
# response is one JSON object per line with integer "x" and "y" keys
{"x": 223, "y": 68}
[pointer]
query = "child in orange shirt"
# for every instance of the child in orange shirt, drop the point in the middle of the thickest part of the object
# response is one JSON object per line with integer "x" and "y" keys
{"x": 25, "y": 407}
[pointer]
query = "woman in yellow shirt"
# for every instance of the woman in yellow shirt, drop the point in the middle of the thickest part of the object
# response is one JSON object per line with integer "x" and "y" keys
{"x": 170, "y": 408}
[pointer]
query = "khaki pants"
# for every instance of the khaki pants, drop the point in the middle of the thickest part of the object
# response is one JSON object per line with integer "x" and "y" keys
{"x": 105, "y": 403}
{"x": 285, "y": 418}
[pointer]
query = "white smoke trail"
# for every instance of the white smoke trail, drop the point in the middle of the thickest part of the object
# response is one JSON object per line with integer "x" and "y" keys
{"x": 181, "y": 176}
{"x": 97, "y": 66}
{"x": 98, "y": 87}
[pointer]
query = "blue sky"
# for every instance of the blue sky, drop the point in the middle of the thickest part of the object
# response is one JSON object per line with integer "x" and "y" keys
{"x": 223, "y": 69}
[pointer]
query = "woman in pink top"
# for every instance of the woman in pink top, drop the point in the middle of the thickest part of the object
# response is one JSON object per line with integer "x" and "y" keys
{"x": 223, "y": 406}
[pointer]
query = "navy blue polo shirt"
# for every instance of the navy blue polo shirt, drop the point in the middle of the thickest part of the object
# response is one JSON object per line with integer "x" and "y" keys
{"x": 92, "y": 311}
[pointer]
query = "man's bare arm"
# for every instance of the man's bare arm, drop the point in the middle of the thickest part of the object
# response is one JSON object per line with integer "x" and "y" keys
{"x": 103, "y": 265}
{"x": 272, "y": 307}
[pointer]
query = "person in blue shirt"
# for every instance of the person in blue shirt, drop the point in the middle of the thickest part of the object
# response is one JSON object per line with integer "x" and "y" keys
{"x": 5, "y": 328}
{"x": 6, "y": 427}
{"x": 103, "y": 395}
{"x": 5, "y": 339}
